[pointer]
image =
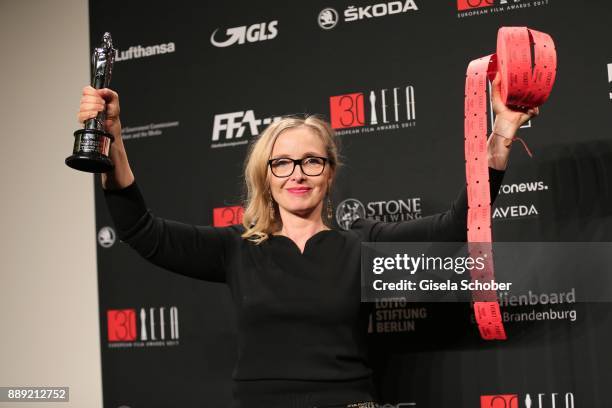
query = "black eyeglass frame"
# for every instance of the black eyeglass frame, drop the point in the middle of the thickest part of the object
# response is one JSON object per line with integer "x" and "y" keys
{"x": 299, "y": 161}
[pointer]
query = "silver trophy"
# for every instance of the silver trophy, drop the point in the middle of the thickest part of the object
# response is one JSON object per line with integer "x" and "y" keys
{"x": 92, "y": 143}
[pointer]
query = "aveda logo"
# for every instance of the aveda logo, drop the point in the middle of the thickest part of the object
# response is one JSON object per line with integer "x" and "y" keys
{"x": 514, "y": 211}
{"x": 252, "y": 33}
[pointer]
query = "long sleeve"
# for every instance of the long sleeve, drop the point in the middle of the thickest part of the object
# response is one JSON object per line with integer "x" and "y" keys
{"x": 448, "y": 226}
{"x": 190, "y": 250}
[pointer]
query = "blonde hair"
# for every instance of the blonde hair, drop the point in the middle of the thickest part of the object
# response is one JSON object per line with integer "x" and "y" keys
{"x": 257, "y": 219}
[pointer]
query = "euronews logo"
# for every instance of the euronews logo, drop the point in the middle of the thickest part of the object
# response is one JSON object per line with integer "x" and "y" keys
{"x": 522, "y": 187}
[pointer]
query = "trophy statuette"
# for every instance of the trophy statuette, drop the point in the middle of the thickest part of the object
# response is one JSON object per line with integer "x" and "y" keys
{"x": 92, "y": 143}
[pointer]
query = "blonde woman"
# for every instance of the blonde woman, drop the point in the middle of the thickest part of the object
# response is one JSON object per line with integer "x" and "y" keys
{"x": 294, "y": 280}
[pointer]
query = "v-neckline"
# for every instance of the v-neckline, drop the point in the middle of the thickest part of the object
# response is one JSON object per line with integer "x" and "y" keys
{"x": 307, "y": 241}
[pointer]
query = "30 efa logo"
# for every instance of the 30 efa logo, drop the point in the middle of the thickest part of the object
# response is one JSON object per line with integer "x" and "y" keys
{"x": 253, "y": 33}
{"x": 224, "y": 216}
{"x": 468, "y": 8}
{"x": 149, "y": 325}
{"x": 610, "y": 80}
{"x": 499, "y": 401}
{"x": 539, "y": 400}
{"x": 381, "y": 107}
{"x": 471, "y": 4}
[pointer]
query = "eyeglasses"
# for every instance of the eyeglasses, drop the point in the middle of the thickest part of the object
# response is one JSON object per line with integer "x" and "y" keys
{"x": 310, "y": 166}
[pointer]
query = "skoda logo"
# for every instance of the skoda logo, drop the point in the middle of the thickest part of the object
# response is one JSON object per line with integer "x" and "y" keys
{"x": 348, "y": 211}
{"x": 106, "y": 237}
{"x": 328, "y": 18}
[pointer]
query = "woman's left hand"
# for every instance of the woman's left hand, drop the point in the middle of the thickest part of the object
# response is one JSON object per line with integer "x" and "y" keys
{"x": 508, "y": 121}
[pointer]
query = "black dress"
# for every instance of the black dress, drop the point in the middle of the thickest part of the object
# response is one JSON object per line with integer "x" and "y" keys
{"x": 301, "y": 326}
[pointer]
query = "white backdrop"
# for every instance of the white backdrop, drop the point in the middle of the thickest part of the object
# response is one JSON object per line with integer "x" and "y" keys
{"x": 48, "y": 283}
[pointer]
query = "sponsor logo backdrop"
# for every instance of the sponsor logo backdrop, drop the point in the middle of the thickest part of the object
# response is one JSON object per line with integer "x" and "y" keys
{"x": 198, "y": 80}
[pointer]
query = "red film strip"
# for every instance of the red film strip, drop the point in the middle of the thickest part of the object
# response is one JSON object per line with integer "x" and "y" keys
{"x": 526, "y": 82}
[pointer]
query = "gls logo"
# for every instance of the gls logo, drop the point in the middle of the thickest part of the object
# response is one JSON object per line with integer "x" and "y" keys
{"x": 253, "y": 33}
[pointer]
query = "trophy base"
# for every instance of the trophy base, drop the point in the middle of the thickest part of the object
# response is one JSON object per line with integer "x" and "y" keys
{"x": 90, "y": 162}
{"x": 91, "y": 150}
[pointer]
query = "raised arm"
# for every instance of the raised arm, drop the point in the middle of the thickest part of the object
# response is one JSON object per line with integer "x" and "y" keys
{"x": 195, "y": 251}
{"x": 451, "y": 225}
{"x": 190, "y": 250}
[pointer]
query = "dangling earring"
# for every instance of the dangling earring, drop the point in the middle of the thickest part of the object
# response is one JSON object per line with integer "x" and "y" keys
{"x": 330, "y": 211}
{"x": 271, "y": 204}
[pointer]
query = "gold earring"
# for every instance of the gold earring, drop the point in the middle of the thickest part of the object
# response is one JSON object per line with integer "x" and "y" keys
{"x": 330, "y": 211}
{"x": 271, "y": 202}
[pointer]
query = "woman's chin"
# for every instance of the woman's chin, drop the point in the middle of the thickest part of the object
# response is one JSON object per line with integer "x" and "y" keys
{"x": 301, "y": 211}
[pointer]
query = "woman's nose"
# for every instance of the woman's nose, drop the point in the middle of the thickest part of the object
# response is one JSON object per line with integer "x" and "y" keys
{"x": 297, "y": 173}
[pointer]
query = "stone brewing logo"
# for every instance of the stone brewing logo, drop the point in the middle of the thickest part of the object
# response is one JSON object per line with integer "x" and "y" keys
{"x": 348, "y": 211}
{"x": 386, "y": 211}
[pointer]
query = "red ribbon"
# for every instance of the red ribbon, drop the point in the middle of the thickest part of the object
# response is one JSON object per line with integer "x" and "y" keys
{"x": 526, "y": 82}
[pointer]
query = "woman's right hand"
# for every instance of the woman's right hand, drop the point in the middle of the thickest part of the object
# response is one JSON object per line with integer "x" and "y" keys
{"x": 94, "y": 101}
